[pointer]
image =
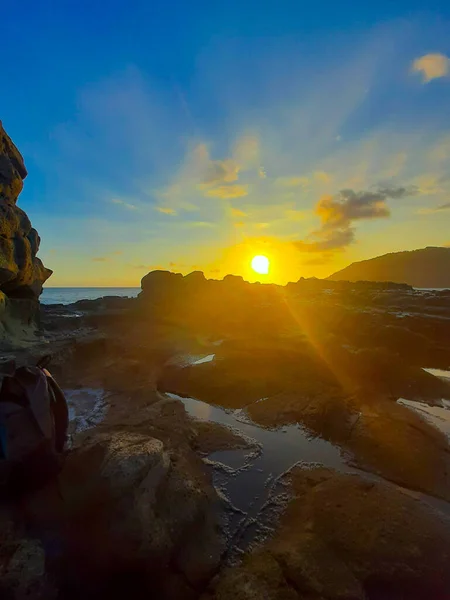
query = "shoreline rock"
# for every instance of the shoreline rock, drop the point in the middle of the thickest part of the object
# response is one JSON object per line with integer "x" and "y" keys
{"x": 22, "y": 273}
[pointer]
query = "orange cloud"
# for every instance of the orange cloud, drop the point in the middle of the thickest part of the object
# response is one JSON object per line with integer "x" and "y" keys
{"x": 431, "y": 66}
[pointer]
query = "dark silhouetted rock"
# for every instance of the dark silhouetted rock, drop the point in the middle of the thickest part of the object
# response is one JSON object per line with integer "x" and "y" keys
{"x": 425, "y": 268}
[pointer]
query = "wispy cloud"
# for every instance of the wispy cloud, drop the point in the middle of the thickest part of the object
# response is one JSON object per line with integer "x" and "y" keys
{"x": 322, "y": 176}
{"x": 165, "y": 210}
{"x": 221, "y": 171}
{"x": 228, "y": 191}
{"x": 237, "y": 212}
{"x": 292, "y": 181}
{"x": 124, "y": 204}
{"x": 198, "y": 224}
{"x": 435, "y": 209}
{"x": 295, "y": 215}
{"x": 431, "y": 66}
{"x": 100, "y": 259}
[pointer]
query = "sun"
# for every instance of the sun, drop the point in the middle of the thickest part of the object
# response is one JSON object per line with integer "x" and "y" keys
{"x": 260, "y": 264}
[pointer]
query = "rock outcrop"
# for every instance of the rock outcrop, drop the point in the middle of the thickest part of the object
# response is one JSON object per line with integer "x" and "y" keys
{"x": 343, "y": 537}
{"x": 21, "y": 272}
{"x": 142, "y": 519}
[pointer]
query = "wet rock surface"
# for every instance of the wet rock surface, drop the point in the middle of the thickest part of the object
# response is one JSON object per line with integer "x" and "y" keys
{"x": 159, "y": 494}
{"x": 345, "y": 537}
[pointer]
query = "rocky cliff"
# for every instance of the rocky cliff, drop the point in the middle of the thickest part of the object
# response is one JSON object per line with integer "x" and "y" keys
{"x": 22, "y": 274}
{"x": 425, "y": 268}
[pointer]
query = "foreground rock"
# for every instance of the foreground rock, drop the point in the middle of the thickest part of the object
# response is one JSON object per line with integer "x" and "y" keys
{"x": 21, "y": 272}
{"x": 140, "y": 515}
{"x": 346, "y": 538}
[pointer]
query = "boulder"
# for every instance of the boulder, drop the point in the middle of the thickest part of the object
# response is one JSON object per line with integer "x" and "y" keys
{"x": 140, "y": 516}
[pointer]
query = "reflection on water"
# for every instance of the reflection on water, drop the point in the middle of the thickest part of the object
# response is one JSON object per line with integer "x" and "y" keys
{"x": 250, "y": 477}
{"x": 252, "y": 482}
{"x": 439, "y": 373}
{"x": 205, "y": 359}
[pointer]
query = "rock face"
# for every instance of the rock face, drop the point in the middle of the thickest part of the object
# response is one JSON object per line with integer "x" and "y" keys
{"x": 141, "y": 516}
{"x": 424, "y": 268}
{"x": 343, "y": 537}
{"x": 21, "y": 272}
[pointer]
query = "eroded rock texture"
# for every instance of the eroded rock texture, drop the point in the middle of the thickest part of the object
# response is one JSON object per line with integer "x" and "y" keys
{"x": 22, "y": 274}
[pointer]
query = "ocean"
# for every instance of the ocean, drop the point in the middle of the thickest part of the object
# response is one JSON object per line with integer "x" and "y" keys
{"x": 69, "y": 295}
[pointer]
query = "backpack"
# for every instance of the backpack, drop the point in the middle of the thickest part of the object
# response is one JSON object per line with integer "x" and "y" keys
{"x": 33, "y": 415}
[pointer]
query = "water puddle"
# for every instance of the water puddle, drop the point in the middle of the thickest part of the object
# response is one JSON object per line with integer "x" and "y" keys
{"x": 205, "y": 359}
{"x": 442, "y": 373}
{"x": 254, "y": 483}
{"x": 87, "y": 408}
{"x": 246, "y": 479}
{"x": 188, "y": 360}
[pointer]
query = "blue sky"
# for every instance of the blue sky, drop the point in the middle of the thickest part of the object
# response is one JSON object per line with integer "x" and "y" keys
{"x": 195, "y": 135}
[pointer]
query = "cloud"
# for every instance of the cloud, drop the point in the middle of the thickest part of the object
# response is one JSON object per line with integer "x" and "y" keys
{"x": 237, "y": 212}
{"x": 247, "y": 151}
{"x": 295, "y": 215}
{"x": 431, "y": 66}
{"x": 292, "y": 181}
{"x": 165, "y": 210}
{"x": 320, "y": 259}
{"x": 228, "y": 191}
{"x": 348, "y": 205}
{"x": 124, "y": 204}
{"x": 262, "y": 225}
{"x": 199, "y": 224}
{"x": 221, "y": 171}
{"x": 322, "y": 176}
{"x": 148, "y": 267}
{"x": 214, "y": 177}
{"x": 436, "y": 209}
{"x": 100, "y": 259}
{"x": 337, "y": 214}
{"x": 335, "y": 239}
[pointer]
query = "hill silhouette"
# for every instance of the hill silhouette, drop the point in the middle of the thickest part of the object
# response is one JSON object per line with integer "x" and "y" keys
{"x": 424, "y": 268}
